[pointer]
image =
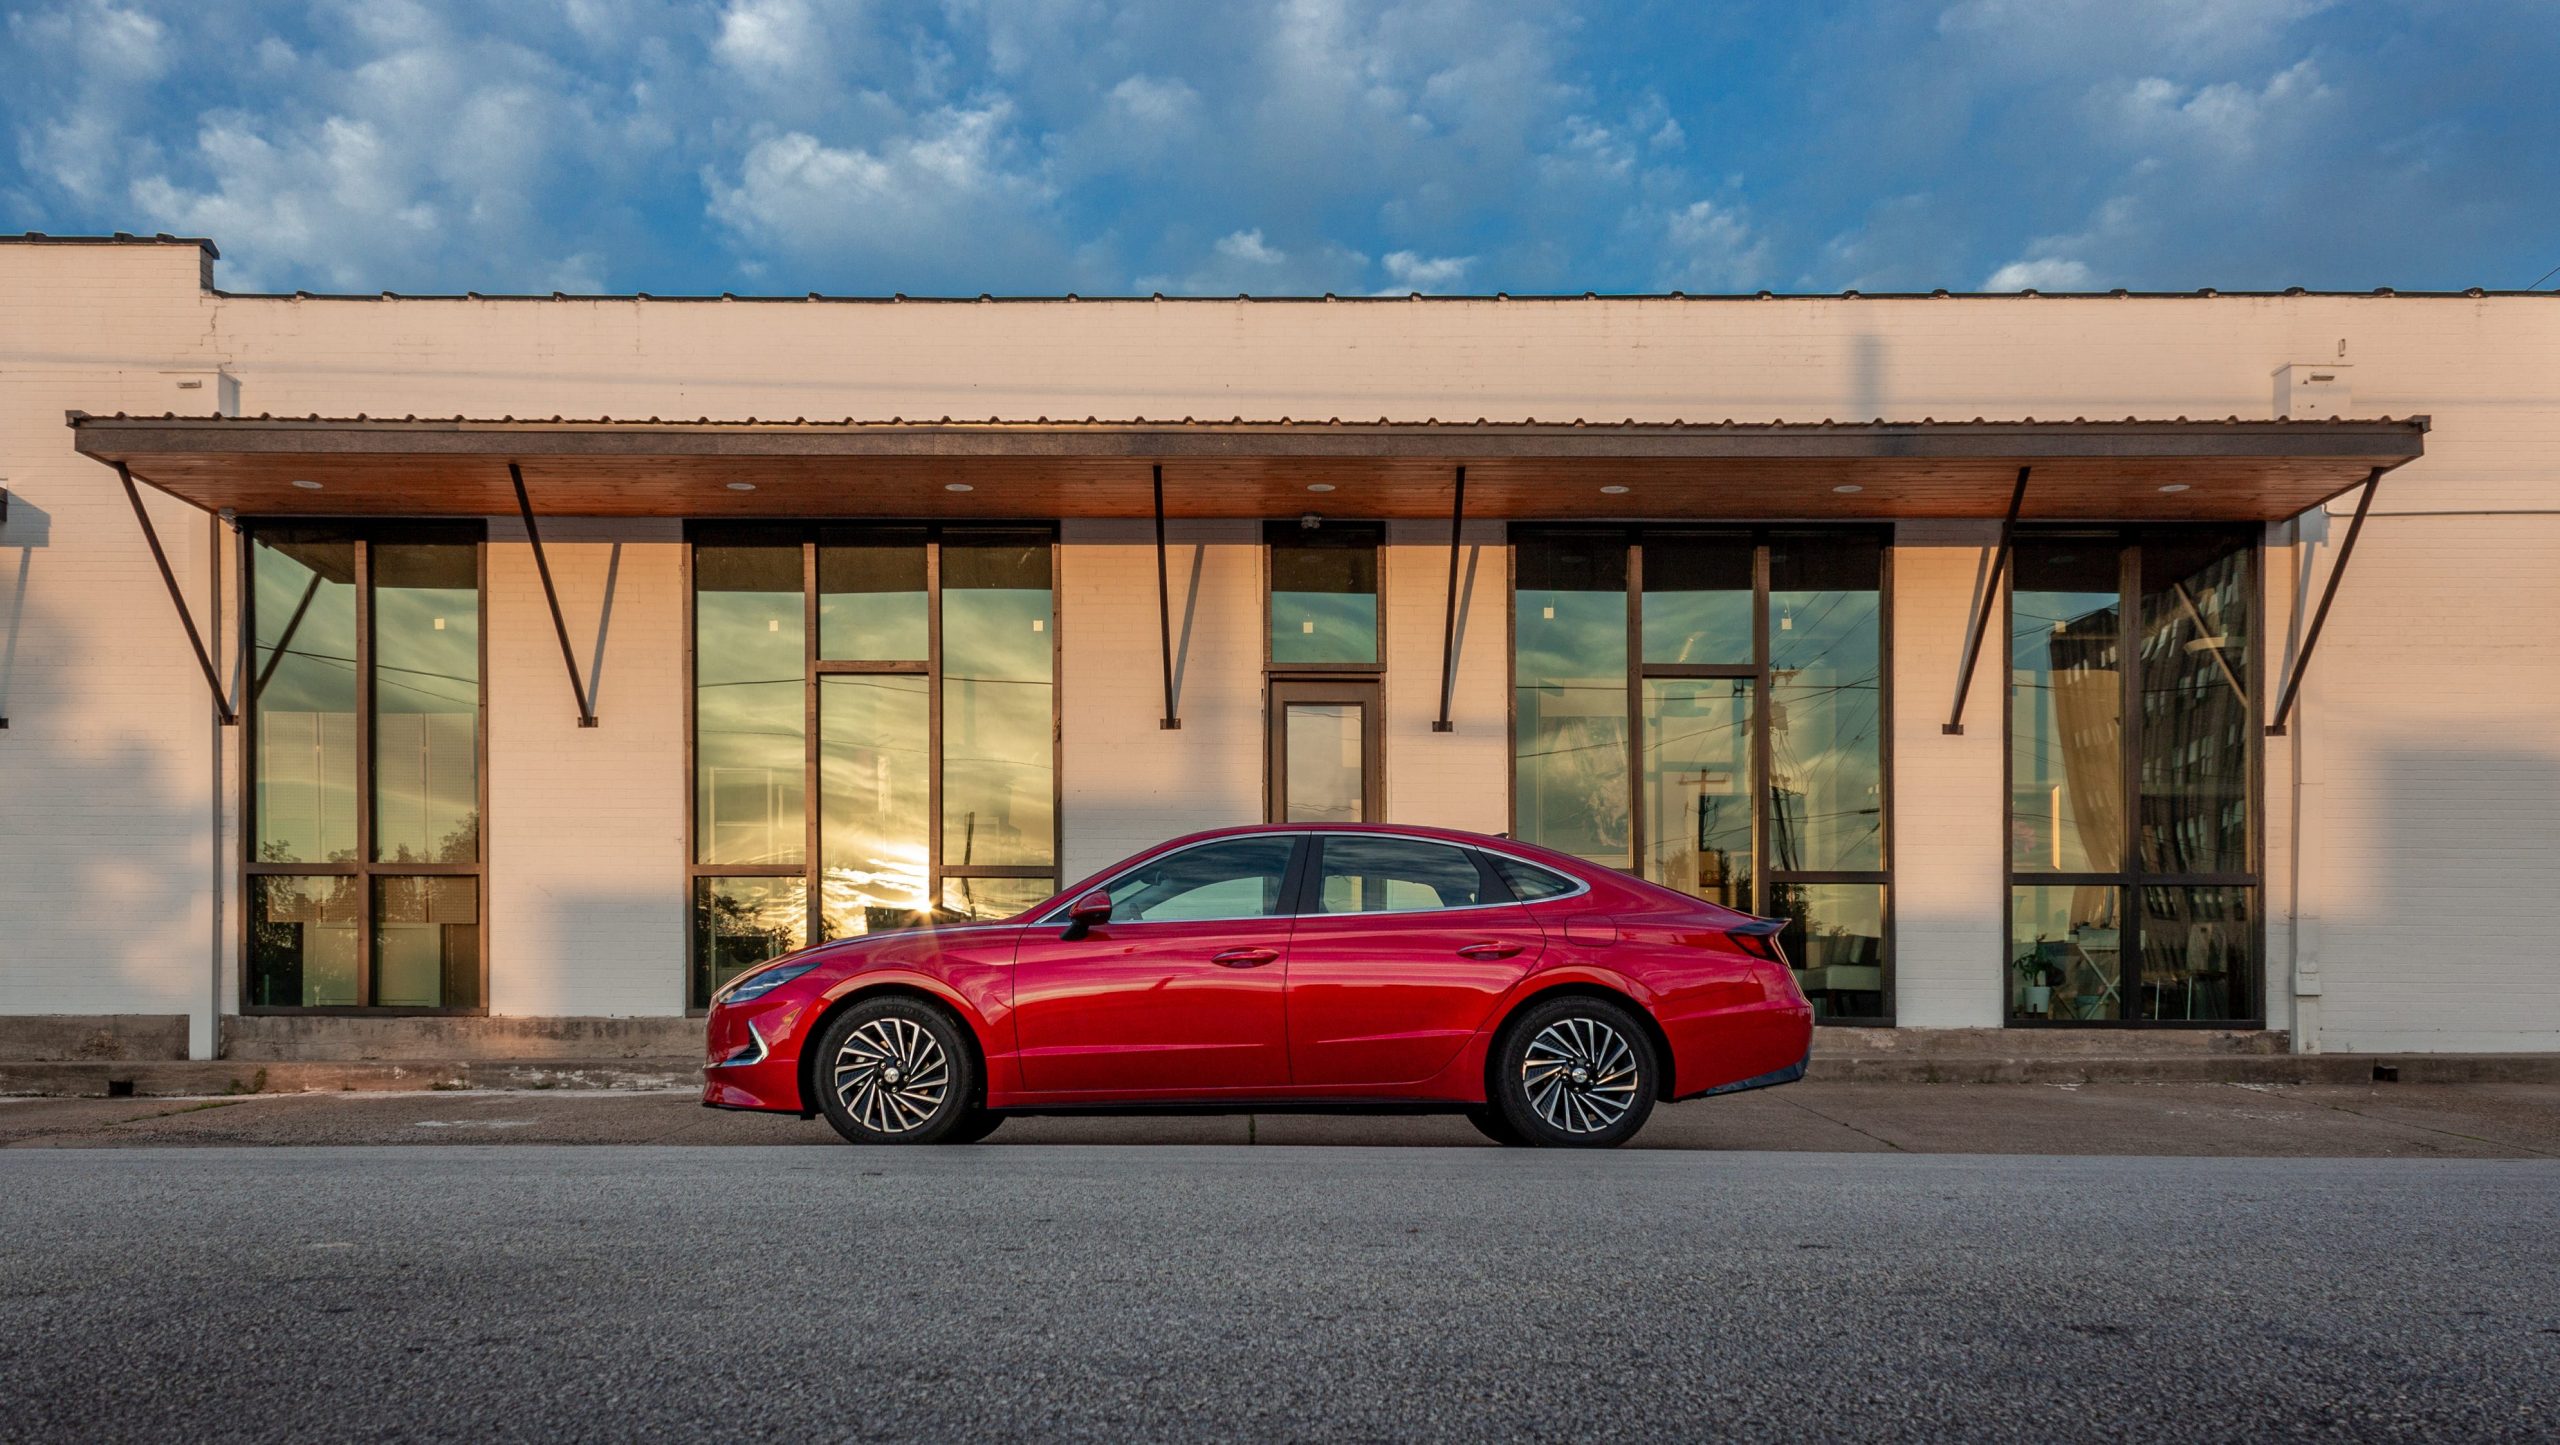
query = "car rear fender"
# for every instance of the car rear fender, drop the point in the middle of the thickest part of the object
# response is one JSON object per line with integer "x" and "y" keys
{"x": 1555, "y": 983}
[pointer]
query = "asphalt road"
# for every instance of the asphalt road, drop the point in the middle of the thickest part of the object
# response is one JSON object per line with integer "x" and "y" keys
{"x": 614, "y": 1293}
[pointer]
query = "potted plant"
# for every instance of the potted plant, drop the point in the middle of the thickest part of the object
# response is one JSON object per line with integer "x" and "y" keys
{"x": 2036, "y": 980}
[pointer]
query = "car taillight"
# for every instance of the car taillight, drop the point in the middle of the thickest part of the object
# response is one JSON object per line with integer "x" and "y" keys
{"x": 1759, "y": 938}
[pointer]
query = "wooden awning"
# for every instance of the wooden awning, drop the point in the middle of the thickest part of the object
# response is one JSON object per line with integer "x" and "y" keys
{"x": 2230, "y": 470}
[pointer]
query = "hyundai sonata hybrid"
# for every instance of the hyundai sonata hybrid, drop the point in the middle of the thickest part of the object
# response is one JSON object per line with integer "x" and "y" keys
{"x": 1550, "y": 1000}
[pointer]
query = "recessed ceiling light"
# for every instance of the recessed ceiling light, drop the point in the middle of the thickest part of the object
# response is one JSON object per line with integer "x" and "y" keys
{"x": 1848, "y": 488}
{"x": 742, "y": 486}
{"x": 1613, "y": 490}
{"x": 306, "y": 485}
{"x": 2175, "y": 487}
{"x": 957, "y": 487}
{"x": 1319, "y": 486}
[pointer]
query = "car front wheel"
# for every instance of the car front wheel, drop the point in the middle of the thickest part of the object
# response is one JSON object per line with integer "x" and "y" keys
{"x": 1575, "y": 1073}
{"x": 896, "y": 1071}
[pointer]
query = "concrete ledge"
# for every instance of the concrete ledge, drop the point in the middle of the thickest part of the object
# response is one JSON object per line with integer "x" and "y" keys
{"x": 160, "y": 1080}
{"x": 304, "y": 1038}
{"x": 2046, "y": 1043}
{"x": 26, "y": 1038}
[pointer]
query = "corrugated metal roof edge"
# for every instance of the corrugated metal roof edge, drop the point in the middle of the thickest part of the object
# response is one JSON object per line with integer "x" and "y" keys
{"x": 163, "y": 238}
{"x": 2420, "y": 422}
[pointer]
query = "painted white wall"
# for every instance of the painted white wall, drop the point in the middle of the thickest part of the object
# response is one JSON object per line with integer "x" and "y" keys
{"x": 2429, "y": 732}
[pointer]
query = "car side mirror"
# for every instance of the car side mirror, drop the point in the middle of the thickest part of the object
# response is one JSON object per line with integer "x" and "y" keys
{"x": 1093, "y": 908}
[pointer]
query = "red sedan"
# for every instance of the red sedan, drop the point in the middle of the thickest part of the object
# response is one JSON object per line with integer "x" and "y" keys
{"x": 1355, "y": 968}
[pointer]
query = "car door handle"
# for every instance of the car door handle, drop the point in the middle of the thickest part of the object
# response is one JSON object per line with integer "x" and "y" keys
{"x": 1245, "y": 957}
{"x": 1489, "y": 950}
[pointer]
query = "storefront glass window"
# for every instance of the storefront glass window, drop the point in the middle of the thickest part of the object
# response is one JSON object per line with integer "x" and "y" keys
{"x": 2156, "y": 922}
{"x": 924, "y": 718}
{"x": 1324, "y": 595}
{"x": 1739, "y": 754}
{"x": 303, "y": 695}
{"x": 364, "y": 767}
{"x": 750, "y": 711}
{"x": 1569, "y": 674}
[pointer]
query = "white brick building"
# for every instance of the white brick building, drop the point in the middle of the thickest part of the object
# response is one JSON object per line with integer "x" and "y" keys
{"x": 1736, "y": 671}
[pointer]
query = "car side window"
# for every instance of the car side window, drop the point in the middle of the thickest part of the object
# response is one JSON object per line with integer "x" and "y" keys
{"x": 1234, "y": 878}
{"x": 1529, "y": 882}
{"x": 1395, "y": 875}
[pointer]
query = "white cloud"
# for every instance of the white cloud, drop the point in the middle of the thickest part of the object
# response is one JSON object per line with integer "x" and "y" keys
{"x": 920, "y": 207}
{"x": 1411, "y": 271}
{"x": 1151, "y": 101}
{"x": 1248, "y": 248}
{"x": 2042, "y": 34}
{"x": 771, "y": 41}
{"x": 1708, "y": 247}
{"x": 2227, "y": 119}
{"x": 2043, "y": 273}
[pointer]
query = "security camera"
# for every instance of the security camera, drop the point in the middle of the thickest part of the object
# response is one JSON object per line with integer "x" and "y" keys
{"x": 1310, "y": 522}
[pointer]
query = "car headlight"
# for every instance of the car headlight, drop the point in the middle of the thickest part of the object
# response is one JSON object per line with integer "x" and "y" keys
{"x": 757, "y": 985}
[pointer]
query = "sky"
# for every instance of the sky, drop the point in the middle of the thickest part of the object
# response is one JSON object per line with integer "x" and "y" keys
{"x": 1213, "y": 147}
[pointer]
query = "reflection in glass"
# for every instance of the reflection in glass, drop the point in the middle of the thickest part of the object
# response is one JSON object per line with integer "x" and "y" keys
{"x": 871, "y": 599}
{"x": 302, "y": 941}
{"x": 873, "y": 819}
{"x": 998, "y": 723}
{"x": 1239, "y": 878}
{"x": 1835, "y": 940}
{"x": 1395, "y": 875}
{"x": 2196, "y": 724}
{"x": 1323, "y": 763}
{"x": 2066, "y": 707}
{"x": 303, "y": 692}
{"x": 1697, "y": 600}
{"x": 986, "y": 900}
{"x": 426, "y": 942}
{"x": 1826, "y": 705}
{"x": 2066, "y": 950}
{"x": 426, "y": 704}
{"x": 1697, "y": 780}
{"x": 1570, "y": 703}
{"x": 1324, "y": 596}
{"x": 739, "y": 923}
{"x": 750, "y": 759}
{"x": 2198, "y": 949}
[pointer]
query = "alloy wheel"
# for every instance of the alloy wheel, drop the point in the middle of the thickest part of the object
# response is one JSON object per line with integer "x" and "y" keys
{"x": 891, "y": 1075}
{"x": 1580, "y": 1075}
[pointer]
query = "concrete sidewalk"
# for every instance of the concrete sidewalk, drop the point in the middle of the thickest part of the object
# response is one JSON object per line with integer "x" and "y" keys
{"x": 2302, "y": 1121}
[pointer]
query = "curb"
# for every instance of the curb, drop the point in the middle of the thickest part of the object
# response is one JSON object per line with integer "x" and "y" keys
{"x": 198, "y": 1078}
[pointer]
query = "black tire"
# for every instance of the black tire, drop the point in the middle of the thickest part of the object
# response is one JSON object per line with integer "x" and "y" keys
{"x": 1490, "y": 1123}
{"x": 979, "y": 1124}
{"x": 1535, "y": 1063}
{"x": 907, "y": 1075}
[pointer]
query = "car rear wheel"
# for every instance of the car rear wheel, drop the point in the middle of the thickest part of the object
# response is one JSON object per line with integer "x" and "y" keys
{"x": 1576, "y": 1073}
{"x": 896, "y": 1071}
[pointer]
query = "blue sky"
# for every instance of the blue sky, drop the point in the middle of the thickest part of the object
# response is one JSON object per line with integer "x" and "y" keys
{"x": 1297, "y": 146}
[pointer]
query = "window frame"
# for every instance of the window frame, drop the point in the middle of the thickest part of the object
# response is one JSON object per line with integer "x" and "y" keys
{"x": 2130, "y": 879}
{"x": 1760, "y": 536}
{"x": 809, "y": 537}
{"x": 1299, "y": 855}
{"x": 365, "y": 533}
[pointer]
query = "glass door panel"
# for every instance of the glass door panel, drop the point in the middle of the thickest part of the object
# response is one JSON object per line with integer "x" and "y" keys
{"x": 1324, "y": 752}
{"x": 1697, "y": 786}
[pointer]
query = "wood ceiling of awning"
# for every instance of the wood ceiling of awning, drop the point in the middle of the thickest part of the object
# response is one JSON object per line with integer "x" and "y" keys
{"x": 2222, "y": 470}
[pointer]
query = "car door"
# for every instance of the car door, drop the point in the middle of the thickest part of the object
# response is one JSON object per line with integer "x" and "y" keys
{"x": 1181, "y": 992}
{"x": 1404, "y": 946}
